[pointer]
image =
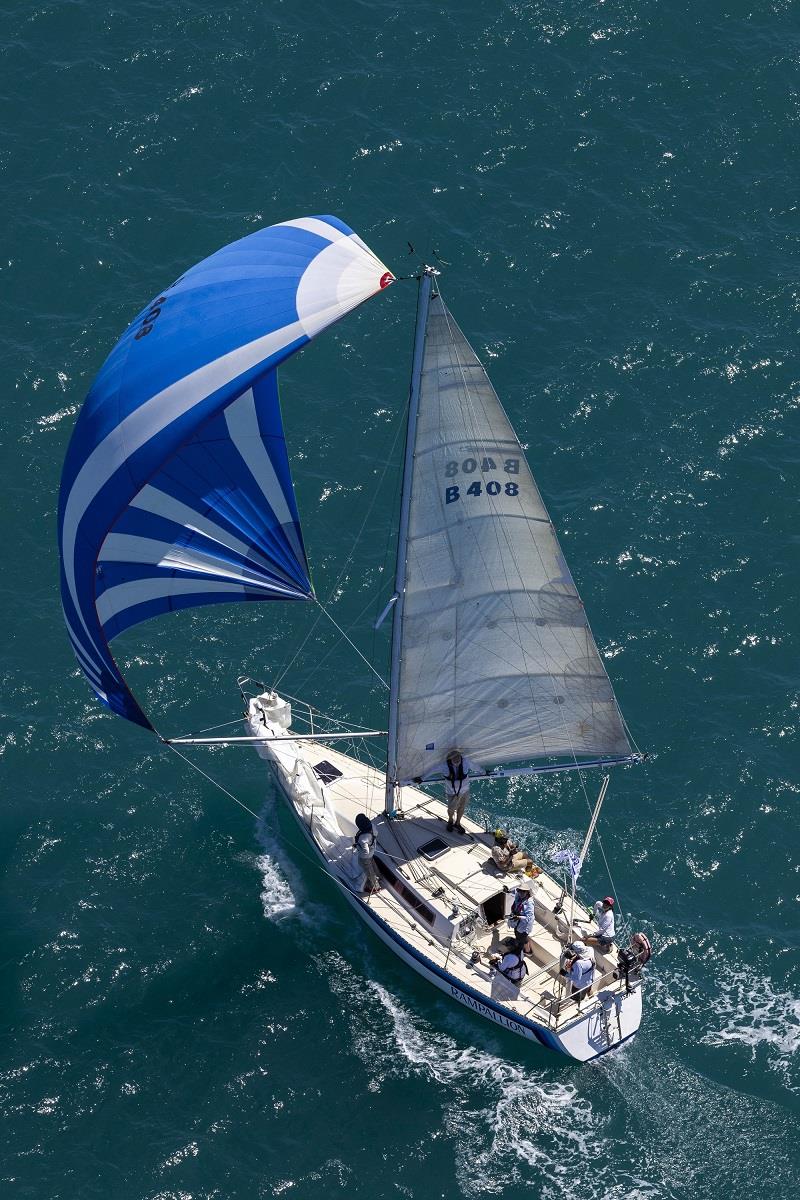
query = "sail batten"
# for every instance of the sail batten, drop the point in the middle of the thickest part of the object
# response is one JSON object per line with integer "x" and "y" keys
{"x": 494, "y": 653}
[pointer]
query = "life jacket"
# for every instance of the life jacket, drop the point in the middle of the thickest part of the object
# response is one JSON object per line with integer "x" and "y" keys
{"x": 517, "y": 973}
{"x": 456, "y": 776}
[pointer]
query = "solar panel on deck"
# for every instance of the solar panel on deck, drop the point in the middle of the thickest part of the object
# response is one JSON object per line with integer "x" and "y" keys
{"x": 327, "y": 772}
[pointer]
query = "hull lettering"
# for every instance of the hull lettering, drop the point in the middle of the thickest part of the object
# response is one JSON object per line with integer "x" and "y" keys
{"x": 485, "y": 1011}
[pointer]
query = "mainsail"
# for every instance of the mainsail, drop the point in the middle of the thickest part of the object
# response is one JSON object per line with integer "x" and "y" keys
{"x": 176, "y": 489}
{"x": 494, "y": 651}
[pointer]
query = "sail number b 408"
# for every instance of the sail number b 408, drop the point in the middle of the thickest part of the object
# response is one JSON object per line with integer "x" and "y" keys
{"x": 492, "y": 487}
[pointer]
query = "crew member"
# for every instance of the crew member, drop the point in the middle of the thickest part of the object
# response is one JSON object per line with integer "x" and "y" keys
{"x": 457, "y": 770}
{"x": 364, "y": 843}
{"x": 522, "y": 917}
{"x": 507, "y": 856}
{"x": 604, "y": 916}
{"x": 511, "y": 964}
{"x": 579, "y": 969}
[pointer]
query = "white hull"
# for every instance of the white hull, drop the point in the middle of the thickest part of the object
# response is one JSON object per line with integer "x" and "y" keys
{"x": 541, "y": 1010}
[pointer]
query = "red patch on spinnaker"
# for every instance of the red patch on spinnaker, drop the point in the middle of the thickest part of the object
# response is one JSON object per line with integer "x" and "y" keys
{"x": 386, "y": 279}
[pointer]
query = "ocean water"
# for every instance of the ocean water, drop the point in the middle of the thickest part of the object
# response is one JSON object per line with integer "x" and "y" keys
{"x": 187, "y": 1009}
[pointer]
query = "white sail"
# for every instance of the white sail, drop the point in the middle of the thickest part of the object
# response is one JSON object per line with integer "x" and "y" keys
{"x": 495, "y": 654}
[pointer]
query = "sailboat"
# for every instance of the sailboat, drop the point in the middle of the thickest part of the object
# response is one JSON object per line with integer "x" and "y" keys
{"x": 177, "y": 492}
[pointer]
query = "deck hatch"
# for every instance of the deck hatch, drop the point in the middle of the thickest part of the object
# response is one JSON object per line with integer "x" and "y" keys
{"x": 434, "y": 848}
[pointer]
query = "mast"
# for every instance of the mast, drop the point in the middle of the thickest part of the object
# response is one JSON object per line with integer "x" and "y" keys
{"x": 426, "y": 285}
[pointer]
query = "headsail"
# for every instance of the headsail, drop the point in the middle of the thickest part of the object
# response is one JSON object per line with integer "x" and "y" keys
{"x": 495, "y": 654}
{"x": 176, "y": 489}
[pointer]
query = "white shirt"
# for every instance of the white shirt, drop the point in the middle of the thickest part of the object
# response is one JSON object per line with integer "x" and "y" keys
{"x": 581, "y": 973}
{"x": 605, "y": 919}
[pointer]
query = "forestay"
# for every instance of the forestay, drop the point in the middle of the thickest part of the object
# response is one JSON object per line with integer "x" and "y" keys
{"x": 176, "y": 490}
{"x": 496, "y": 656}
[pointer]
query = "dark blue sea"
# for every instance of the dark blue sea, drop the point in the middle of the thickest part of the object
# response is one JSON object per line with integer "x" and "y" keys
{"x": 188, "y": 1010}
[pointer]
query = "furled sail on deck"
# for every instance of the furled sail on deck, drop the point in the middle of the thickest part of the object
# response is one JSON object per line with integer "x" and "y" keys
{"x": 496, "y": 656}
{"x": 176, "y": 489}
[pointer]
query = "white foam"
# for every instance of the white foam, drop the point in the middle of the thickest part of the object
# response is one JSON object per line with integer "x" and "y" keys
{"x": 279, "y": 883}
{"x": 750, "y": 1011}
{"x": 179, "y": 1156}
{"x": 744, "y": 1008}
{"x": 277, "y": 898}
{"x": 504, "y": 1119}
{"x": 642, "y": 1118}
{"x": 690, "y": 1129}
{"x": 283, "y": 894}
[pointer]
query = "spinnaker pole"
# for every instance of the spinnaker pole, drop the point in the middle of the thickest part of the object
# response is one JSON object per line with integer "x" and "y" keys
{"x": 592, "y": 825}
{"x": 267, "y": 740}
{"x": 593, "y": 822}
{"x": 426, "y": 285}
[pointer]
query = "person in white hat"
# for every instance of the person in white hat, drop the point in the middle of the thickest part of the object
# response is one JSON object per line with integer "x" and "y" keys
{"x": 579, "y": 969}
{"x": 523, "y": 915}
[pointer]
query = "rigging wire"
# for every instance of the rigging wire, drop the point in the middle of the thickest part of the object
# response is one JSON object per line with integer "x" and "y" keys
{"x": 390, "y": 530}
{"x": 363, "y": 657}
{"x": 285, "y": 669}
{"x": 358, "y": 749}
{"x": 210, "y": 728}
{"x": 318, "y": 663}
{"x": 351, "y": 725}
{"x": 353, "y": 548}
{"x": 210, "y": 779}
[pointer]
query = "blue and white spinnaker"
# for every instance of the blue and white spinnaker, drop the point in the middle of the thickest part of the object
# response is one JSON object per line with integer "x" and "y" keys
{"x": 176, "y": 489}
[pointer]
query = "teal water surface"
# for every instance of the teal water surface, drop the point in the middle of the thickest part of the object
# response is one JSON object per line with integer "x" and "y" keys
{"x": 188, "y": 1009}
